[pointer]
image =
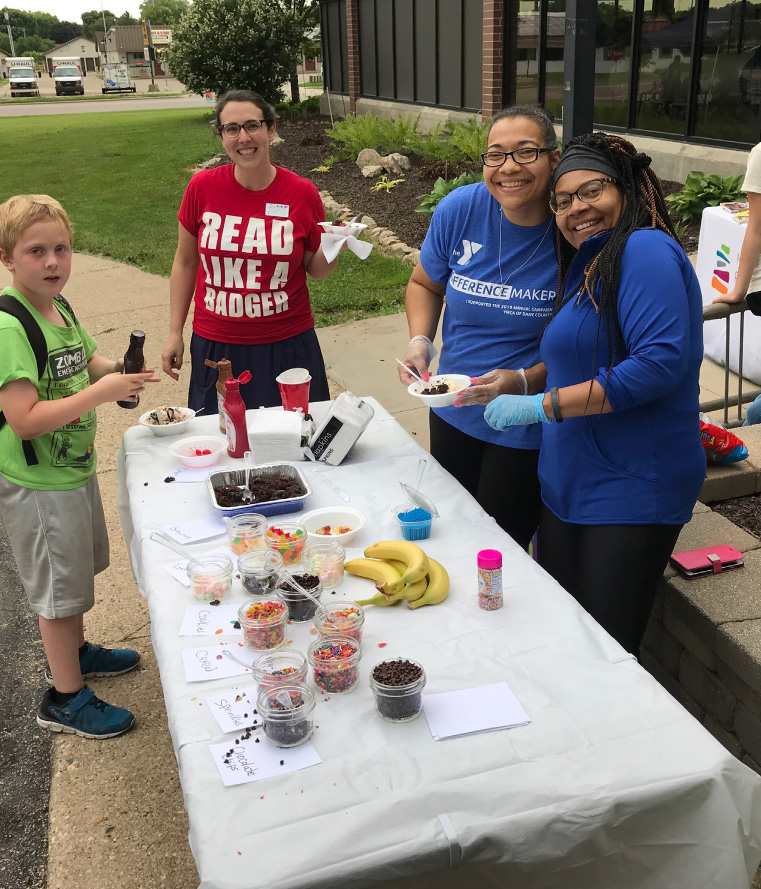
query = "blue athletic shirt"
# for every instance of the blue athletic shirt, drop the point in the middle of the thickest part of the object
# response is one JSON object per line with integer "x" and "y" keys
{"x": 643, "y": 463}
{"x": 487, "y": 326}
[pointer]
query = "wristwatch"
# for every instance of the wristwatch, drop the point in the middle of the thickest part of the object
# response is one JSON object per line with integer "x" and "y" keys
{"x": 555, "y": 405}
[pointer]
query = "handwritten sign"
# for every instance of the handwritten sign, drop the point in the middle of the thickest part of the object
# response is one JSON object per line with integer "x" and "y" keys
{"x": 203, "y": 664}
{"x": 252, "y": 761}
{"x": 195, "y": 529}
{"x": 210, "y": 620}
{"x": 179, "y": 569}
{"x": 234, "y": 710}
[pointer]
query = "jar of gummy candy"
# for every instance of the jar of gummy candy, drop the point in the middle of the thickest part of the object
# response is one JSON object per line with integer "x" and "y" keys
{"x": 335, "y": 662}
{"x": 301, "y": 593}
{"x": 211, "y": 577}
{"x": 344, "y": 618}
{"x": 327, "y": 560}
{"x": 259, "y": 571}
{"x": 245, "y": 533}
{"x": 287, "y": 713}
{"x": 263, "y": 623}
{"x": 288, "y": 539}
{"x": 285, "y": 666}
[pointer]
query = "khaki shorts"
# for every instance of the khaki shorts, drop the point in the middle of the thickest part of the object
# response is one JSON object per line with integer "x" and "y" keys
{"x": 59, "y": 541}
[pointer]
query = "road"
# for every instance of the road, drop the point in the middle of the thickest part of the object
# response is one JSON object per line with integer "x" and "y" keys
{"x": 35, "y": 109}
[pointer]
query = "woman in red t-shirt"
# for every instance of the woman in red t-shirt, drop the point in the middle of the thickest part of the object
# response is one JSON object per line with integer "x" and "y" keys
{"x": 248, "y": 236}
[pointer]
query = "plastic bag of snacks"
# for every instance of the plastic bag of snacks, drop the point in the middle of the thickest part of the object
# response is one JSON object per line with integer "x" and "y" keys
{"x": 720, "y": 445}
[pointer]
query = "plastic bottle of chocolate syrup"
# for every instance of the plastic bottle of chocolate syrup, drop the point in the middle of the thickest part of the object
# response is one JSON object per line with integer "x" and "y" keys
{"x": 225, "y": 368}
{"x": 133, "y": 364}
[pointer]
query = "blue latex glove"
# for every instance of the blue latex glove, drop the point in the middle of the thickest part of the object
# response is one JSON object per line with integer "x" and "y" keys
{"x": 515, "y": 410}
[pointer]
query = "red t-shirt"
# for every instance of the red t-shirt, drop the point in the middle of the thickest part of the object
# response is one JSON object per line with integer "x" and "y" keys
{"x": 251, "y": 285}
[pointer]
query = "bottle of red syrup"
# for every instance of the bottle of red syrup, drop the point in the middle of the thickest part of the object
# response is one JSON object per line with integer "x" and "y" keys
{"x": 133, "y": 364}
{"x": 235, "y": 416}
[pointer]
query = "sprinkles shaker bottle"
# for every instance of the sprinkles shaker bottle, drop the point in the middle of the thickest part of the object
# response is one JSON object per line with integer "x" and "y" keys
{"x": 489, "y": 563}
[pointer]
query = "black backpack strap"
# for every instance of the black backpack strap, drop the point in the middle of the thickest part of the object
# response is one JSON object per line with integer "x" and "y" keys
{"x": 36, "y": 338}
{"x": 66, "y": 304}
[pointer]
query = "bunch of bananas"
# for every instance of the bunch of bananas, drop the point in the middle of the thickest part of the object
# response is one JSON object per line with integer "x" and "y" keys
{"x": 401, "y": 570}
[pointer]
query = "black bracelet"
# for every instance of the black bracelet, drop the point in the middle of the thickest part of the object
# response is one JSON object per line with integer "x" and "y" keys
{"x": 555, "y": 405}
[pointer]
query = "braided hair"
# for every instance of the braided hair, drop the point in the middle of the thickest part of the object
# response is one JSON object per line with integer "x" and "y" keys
{"x": 644, "y": 207}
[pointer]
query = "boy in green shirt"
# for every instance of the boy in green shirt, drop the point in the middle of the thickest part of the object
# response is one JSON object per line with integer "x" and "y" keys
{"x": 49, "y": 498}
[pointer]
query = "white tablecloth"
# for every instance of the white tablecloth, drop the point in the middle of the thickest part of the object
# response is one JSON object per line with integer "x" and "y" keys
{"x": 612, "y": 784}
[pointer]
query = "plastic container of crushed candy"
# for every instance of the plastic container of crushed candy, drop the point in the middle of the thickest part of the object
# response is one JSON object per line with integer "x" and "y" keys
{"x": 326, "y": 560}
{"x": 263, "y": 623}
{"x": 287, "y": 713}
{"x": 397, "y": 686}
{"x": 259, "y": 570}
{"x": 288, "y": 539}
{"x": 335, "y": 663}
{"x": 415, "y": 517}
{"x": 245, "y": 533}
{"x": 342, "y": 618}
{"x": 211, "y": 577}
{"x": 299, "y": 592}
{"x": 285, "y": 666}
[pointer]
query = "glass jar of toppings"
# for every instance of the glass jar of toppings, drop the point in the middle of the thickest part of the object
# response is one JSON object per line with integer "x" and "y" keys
{"x": 259, "y": 571}
{"x": 327, "y": 560}
{"x": 287, "y": 713}
{"x": 284, "y": 666}
{"x": 211, "y": 577}
{"x": 245, "y": 533}
{"x": 344, "y": 618}
{"x": 301, "y": 593}
{"x": 335, "y": 661}
{"x": 288, "y": 539}
{"x": 263, "y": 623}
{"x": 398, "y": 689}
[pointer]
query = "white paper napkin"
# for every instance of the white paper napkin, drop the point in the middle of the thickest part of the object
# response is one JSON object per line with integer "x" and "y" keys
{"x": 471, "y": 710}
{"x": 334, "y": 236}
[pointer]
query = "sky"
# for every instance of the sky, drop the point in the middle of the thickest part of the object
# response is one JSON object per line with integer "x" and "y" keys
{"x": 71, "y": 10}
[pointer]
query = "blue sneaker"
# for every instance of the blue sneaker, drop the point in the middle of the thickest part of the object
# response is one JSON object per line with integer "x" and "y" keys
{"x": 97, "y": 661}
{"x": 85, "y": 715}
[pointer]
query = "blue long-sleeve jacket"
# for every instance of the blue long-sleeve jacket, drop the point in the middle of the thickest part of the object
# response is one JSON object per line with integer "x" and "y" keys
{"x": 643, "y": 463}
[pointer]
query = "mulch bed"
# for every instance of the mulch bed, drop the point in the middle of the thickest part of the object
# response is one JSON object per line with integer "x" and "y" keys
{"x": 745, "y": 512}
{"x": 306, "y": 146}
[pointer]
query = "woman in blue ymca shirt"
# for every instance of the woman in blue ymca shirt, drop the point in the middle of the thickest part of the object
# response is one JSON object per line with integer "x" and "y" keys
{"x": 489, "y": 251}
{"x": 621, "y": 464}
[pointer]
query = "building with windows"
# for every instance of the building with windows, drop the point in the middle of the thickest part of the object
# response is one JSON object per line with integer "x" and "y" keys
{"x": 124, "y": 43}
{"x": 679, "y": 70}
{"x": 78, "y": 47}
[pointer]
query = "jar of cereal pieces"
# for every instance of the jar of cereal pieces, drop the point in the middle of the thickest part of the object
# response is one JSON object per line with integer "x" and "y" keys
{"x": 263, "y": 623}
{"x": 344, "y": 618}
{"x": 285, "y": 666}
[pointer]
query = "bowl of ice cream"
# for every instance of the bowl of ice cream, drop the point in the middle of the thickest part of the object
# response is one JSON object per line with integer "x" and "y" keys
{"x": 441, "y": 390}
{"x": 165, "y": 420}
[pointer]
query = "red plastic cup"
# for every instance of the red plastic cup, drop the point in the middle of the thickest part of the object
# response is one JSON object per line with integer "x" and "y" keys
{"x": 294, "y": 389}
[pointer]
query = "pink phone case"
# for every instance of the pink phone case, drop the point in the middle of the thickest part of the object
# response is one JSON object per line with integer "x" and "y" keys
{"x": 711, "y": 560}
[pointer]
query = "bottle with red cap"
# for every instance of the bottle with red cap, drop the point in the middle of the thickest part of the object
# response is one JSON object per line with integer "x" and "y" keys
{"x": 489, "y": 563}
{"x": 235, "y": 416}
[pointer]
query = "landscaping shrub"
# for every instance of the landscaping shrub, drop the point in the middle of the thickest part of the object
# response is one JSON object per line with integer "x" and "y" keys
{"x": 428, "y": 202}
{"x": 703, "y": 190}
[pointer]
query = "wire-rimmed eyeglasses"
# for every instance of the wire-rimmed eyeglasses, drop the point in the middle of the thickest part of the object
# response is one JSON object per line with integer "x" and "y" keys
{"x": 588, "y": 192}
{"x": 231, "y": 130}
{"x": 494, "y": 158}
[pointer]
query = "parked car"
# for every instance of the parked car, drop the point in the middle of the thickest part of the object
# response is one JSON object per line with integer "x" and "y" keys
{"x": 116, "y": 79}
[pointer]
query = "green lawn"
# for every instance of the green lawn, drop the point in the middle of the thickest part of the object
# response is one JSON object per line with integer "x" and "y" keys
{"x": 121, "y": 176}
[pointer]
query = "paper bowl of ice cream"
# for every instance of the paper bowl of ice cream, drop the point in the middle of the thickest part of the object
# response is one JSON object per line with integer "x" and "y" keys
{"x": 441, "y": 390}
{"x": 165, "y": 420}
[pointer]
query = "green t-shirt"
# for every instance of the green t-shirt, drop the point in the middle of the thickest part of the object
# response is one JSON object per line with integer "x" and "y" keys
{"x": 67, "y": 455}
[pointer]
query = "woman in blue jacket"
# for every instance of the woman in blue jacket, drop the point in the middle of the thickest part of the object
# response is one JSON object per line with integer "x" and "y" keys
{"x": 621, "y": 463}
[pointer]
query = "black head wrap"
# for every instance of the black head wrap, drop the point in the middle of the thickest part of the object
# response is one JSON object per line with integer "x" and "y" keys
{"x": 583, "y": 157}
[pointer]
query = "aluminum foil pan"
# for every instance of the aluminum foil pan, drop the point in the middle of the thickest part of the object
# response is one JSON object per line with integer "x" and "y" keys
{"x": 266, "y": 507}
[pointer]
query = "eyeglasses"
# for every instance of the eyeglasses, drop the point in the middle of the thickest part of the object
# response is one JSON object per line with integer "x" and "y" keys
{"x": 232, "y": 130}
{"x": 589, "y": 192}
{"x": 519, "y": 156}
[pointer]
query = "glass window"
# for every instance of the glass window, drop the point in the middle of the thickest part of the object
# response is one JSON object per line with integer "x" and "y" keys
{"x": 526, "y": 66}
{"x": 729, "y": 97}
{"x": 664, "y": 78}
{"x": 555, "y": 55}
{"x": 612, "y": 61}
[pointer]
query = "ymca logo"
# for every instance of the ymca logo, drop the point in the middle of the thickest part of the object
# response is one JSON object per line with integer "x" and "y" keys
{"x": 720, "y": 280}
{"x": 469, "y": 250}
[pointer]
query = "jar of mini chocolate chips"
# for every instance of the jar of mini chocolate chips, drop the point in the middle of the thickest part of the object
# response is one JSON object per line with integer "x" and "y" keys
{"x": 287, "y": 713}
{"x": 398, "y": 688}
{"x": 301, "y": 593}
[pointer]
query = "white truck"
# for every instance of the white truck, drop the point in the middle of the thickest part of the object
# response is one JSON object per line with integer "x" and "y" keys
{"x": 116, "y": 79}
{"x": 21, "y": 75}
{"x": 67, "y": 76}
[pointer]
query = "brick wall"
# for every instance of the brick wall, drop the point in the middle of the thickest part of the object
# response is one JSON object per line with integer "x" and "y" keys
{"x": 352, "y": 52}
{"x": 491, "y": 100}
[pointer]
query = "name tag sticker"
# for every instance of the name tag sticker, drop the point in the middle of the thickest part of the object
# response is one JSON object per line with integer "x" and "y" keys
{"x": 278, "y": 210}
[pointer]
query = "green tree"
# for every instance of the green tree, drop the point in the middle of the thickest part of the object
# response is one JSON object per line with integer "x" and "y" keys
{"x": 164, "y": 12}
{"x": 235, "y": 44}
{"x": 93, "y": 21}
{"x": 27, "y": 45}
{"x": 61, "y": 32}
{"x": 305, "y": 15}
{"x": 126, "y": 19}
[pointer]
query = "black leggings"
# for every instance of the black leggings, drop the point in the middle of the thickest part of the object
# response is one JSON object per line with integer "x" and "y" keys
{"x": 503, "y": 480}
{"x": 611, "y": 570}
